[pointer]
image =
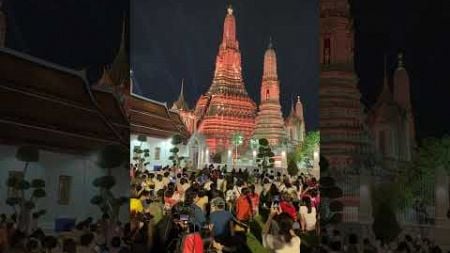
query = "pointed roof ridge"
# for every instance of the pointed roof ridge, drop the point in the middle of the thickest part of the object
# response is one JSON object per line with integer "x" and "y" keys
{"x": 386, "y": 94}
{"x": 180, "y": 103}
{"x": 400, "y": 60}
{"x": 292, "y": 112}
{"x": 119, "y": 70}
{"x": 181, "y": 96}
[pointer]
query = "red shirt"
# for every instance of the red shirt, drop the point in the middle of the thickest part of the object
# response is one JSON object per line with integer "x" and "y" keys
{"x": 255, "y": 201}
{"x": 244, "y": 210}
{"x": 288, "y": 208}
{"x": 193, "y": 243}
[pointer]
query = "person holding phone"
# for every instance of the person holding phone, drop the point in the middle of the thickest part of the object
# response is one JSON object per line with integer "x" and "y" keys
{"x": 285, "y": 241}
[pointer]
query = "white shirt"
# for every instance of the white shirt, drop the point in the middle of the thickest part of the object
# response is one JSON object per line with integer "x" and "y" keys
{"x": 278, "y": 246}
{"x": 310, "y": 218}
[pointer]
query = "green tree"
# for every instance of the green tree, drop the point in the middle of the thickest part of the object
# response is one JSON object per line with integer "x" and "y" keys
{"x": 331, "y": 208}
{"x": 110, "y": 157}
{"x": 292, "y": 168}
{"x": 432, "y": 154}
{"x": 141, "y": 156}
{"x": 385, "y": 224}
{"x": 23, "y": 206}
{"x": 175, "y": 158}
{"x": 305, "y": 152}
{"x": 237, "y": 139}
{"x": 264, "y": 158}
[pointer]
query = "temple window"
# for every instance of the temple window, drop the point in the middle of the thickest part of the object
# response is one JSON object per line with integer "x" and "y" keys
{"x": 157, "y": 153}
{"x": 327, "y": 51}
{"x": 267, "y": 94}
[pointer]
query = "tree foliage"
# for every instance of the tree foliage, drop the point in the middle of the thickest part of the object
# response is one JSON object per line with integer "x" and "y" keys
{"x": 292, "y": 168}
{"x": 331, "y": 207}
{"x": 175, "y": 158}
{"x": 141, "y": 156}
{"x": 413, "y": 179}
{"x": 304, "y": 153}
{"x": 23, "y": 205}
{"x": 106, "y": 200}
{"x": 264, "y": 158}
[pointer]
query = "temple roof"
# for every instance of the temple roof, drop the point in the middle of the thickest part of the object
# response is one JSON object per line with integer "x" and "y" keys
{"x": 180, "y": 104}
{"x": 153, "y": 118}
{"x": 53, "y": 107}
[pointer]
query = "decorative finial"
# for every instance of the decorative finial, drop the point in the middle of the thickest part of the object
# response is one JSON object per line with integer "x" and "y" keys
{"x": 298, "y": 99}
{"x": 400, "y": 60}
{"x": 230, "y": 10}
{"x": 270, "y": 46}
{"x": 182, "y": 87}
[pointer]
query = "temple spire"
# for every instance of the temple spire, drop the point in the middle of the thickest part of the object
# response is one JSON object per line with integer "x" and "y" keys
{"x": 386, "y": 92}
{"x": 299, "y": 108}
{"x": 400, "y": 60}
{"x": 229, "y": 30}
{"x": 181, "y": 104}
{"x": 270, "y": 63}
{"x": 182, "y": 89}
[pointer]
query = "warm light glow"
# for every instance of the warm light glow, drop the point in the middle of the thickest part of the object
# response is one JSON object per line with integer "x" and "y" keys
{"x": 283, "y": 153}
{"x": 229, "y": 152}
{"x": 254, "y": 153}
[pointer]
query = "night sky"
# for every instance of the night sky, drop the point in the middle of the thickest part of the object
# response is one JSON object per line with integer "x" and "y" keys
{"x": 171, "y": 40}
{"x": 77, "y": 34}
{"x": 421, "y": 29}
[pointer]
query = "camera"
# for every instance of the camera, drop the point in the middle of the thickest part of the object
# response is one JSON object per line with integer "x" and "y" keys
{"x": 276, "y": 200}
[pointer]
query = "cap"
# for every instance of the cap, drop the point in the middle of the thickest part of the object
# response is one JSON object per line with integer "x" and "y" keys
{"x": 218, "y": 201}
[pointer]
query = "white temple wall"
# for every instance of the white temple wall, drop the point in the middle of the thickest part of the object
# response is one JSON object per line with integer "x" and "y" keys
{"x": 51, "y": 165}
{"x": 153, "y": 144}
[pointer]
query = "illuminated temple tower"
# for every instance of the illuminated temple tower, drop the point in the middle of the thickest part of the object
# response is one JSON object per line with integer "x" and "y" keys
{"x": 344, "y": 136}
{"x": 391, "y": 120}
{"x": 295, "y": 124}
{"x": 269, "y": 122}
{"x": 226, "y": 108}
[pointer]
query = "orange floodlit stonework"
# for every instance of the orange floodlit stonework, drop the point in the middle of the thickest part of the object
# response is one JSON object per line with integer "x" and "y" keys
{"x": 344, "y": 136}
{"x": 269, "y": 122}
{"x": 226, "y": 108}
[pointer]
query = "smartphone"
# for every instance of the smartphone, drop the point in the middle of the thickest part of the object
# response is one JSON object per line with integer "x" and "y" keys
{"x": 184, "y": 217}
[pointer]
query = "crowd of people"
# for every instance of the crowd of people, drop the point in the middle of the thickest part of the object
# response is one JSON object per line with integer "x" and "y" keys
{"x": 334, "y": 241}
{"x": 87, "y": 236}
{"x": 216, "y": 210}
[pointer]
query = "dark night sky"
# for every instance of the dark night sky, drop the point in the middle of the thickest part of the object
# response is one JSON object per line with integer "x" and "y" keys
{"x": 74, "y": 33}
{"x": 421, "y": 29}
{"x": 171, "y": 40}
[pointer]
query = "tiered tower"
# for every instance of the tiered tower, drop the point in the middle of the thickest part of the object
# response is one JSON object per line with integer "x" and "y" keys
{"x": 402, "y": 98}
{"x": 391, "y": 120}
{"x": 295, "y": 124}
{"x": 2, "y": 27}
{"x": 269, "y": 122}
{"x": 344, "y": 138}
{"x": 226, "y": 108}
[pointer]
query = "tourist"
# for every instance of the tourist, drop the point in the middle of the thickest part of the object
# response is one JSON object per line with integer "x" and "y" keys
{"x": 285, "y": 241}
{"x": 308, "y": 216}
{"x": 244, "y": 206}
{"x": 221, "y": 219}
